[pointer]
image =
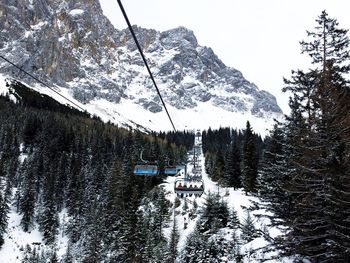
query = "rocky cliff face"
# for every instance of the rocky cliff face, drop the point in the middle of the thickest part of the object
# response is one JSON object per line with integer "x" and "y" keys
{"x": 71, "y": 44}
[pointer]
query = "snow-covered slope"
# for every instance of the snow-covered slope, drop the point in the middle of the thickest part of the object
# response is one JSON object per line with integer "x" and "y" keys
{"x": 17, "y": 241}
{"x": 128, "y": 114}
{"x": 186, "y": 219}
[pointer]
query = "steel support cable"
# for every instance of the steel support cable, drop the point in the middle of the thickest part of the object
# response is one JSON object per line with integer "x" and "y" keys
{"x": 38, "y": 80}
{"x": 144, "y": 59}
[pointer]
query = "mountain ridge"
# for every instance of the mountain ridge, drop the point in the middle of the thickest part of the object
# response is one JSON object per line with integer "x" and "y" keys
{"x": 76, "y": 46}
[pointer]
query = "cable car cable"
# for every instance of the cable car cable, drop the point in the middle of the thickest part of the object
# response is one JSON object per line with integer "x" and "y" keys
{"x": 144, "y": 59}
{"x": 38, "y": 80}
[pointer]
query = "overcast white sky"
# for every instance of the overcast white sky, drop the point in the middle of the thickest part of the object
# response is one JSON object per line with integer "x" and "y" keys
{"x": 258, "y": 37}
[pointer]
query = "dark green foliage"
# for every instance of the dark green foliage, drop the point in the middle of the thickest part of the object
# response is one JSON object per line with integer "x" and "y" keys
{"x": 174, "y": 239}
{"x": 202, "y": 248}
{"x": 232, "y": 170}
{"x": 215, "y": 214}
{"x": 233, "y": 221}
{"x": 217, "y": 140}
{"x": 309, "y": 153}
{"x": 179, "y": 138}
{"x": 68, "y": 161}
{"x": 28, "y": 197}
{"x": 248, "y": 229}
{"x": 250, "y": 161}
{"x": 30, "y": 98}
{"x": 225, "y": 149}
{"x": 218, "y": 169}
{"x": 151, "y": 246}
{"x": 48, "y": 223}
{"x": 194, "y": 249}
{"x": 91, "y": 235}
{"x": 3, "y": 218}
{"x": 206, "y": 243}
{"x": 274, "y": 177}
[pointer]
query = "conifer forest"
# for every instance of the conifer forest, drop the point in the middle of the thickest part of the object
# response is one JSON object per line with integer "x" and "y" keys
{"x": 70, "y": 176}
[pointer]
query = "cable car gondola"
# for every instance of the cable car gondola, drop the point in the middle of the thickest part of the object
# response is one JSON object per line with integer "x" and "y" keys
{"x": 146, "y": 168}
{"x": 186, "y": 187}
{"x": 173, "y": 170}
{"x": 170, "y": 170}
{"x": 196, "y": 169}
{"x": 194, "y": 177}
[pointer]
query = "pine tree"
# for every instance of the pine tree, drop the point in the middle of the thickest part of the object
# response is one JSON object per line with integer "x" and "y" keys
{"x": 194, "y": 249}
{"x": 92, "y": 242}
{"x": 215, "y": 214}
{"x": 174, "y": 239}
{"x": 233, "y": 221}
{"x": 232, "y": 170}
{"x": 68, "y": 257}
{"x": 250, "y": 161}
{"x": 274, "y": 176}
{"x": 319, "y": 164}
{"x": 48, "y": 221}
{"x": 53, "y": 258}
{"x": 218, "y": 169}
{"x": 3, "y": 217}
{"x": 248, "y": 228}
{"x": 28, "y": 198}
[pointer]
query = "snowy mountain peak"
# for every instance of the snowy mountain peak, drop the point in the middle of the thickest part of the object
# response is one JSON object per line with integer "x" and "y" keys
{"x": 72, "y": 44}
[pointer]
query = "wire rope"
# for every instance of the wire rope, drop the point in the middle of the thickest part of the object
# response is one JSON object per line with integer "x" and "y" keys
{"x": 144, "y": 59}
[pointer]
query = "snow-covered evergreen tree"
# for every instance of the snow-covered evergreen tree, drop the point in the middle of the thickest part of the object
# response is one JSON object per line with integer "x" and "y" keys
{"x": 248, "y": 228}
{"x": 250, "y": 161}
{"x": 318, "y": 144}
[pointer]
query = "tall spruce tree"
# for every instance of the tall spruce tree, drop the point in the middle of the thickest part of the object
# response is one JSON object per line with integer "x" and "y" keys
{"x": 320, "y": 162}
{"x": 3, "y": 215}
{"x": 48, "y": 221}
{"x": 250, "y": 161}
{"x": 274, "y": 176}
{"x": 232, "y": 169}
{"x": 27, "y": 198}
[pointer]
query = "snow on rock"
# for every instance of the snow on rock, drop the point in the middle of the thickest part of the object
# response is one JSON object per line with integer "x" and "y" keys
{"x": 76, "y": 12}
{"x": 5, "y": 90}
{"x": 84, "y": 53}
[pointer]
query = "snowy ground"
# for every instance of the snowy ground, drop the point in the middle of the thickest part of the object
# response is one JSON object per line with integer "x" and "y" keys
{"x": 236, "y": 199}
{"x": 16, "y": 239}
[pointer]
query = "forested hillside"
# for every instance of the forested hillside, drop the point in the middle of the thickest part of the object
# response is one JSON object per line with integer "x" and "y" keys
{"x": 69, "y": 178}
{"x": 52, "y": 161}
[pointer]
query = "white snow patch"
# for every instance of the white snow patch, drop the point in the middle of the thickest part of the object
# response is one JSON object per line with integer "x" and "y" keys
{"x": 62, "y": 239}
{"x": 39, "y": 25}
{"x": 16, "y": 239}
{"x": 22, "y": 155}
{"x": 5, "y": 90}
{"x": 76, "y": 12}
